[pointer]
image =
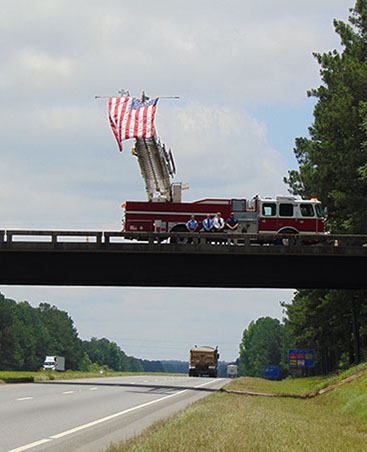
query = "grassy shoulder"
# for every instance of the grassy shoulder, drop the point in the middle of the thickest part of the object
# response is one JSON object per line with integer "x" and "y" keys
{"x": 226, "y": 422}
{"x": 29, "y": 377}
{"x": 297, "y": 386}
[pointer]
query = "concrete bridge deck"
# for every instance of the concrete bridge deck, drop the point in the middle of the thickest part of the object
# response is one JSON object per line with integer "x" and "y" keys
{"x": 94, "y": 258}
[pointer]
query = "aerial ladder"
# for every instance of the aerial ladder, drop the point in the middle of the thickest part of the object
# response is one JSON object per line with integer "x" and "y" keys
{"x": 156, "y": 163}
{"x": 157, "y": 168}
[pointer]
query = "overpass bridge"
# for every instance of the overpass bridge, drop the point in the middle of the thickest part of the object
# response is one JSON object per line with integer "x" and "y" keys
{"x": 95, "y": 258}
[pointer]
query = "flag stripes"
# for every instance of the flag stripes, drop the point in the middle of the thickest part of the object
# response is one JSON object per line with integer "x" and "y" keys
{"x": 131, "y": 118}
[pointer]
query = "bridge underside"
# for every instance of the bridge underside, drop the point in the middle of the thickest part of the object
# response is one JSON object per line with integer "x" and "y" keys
{"x": 171, "y": 265}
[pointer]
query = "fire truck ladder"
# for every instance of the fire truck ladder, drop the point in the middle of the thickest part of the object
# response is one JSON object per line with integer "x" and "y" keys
{"x": 157, "y": 167}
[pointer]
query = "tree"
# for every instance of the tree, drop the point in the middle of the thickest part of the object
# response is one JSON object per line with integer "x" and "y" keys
{"x": 85, "y": 363}
{"x": 11, "y": 355}
{"x": 28, "y": 334}
{"x": 333, "y": 167}
{"x": 333, "y": 323}
{"x": 106, "y": 353}
{"x": 261, "y": 346}
{"x": 333, "y": 161}
{"x": 64, "y": 340}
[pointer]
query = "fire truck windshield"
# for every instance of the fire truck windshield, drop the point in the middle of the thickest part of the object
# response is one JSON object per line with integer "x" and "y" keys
{"x": 319, "y": 211}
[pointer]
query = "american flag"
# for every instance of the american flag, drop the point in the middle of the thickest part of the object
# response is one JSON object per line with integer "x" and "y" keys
{"x": 131, "y": 117}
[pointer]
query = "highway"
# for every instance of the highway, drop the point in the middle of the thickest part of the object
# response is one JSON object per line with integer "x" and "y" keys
{"x": 87, "y": 415}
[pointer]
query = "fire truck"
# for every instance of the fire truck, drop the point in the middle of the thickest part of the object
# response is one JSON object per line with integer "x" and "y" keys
{"x": 279, "y": 215}
{"x": 164, "y": 211}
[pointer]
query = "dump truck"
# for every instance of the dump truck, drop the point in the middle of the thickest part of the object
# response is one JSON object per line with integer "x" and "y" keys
{"x": 54, "y": 363}
{"x": 203, "y": 362}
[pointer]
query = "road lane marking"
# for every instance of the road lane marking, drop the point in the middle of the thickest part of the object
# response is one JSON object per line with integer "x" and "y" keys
{"x": 29, "y": 446}
{"x": 121, "y": 413}
{"x": 68, "y": 392}
{"x": 93, "y": 389}
{"x": 107, "y": 418}
{"x": 208, "y": 382}
{"x": 25, "y": 398}
{"x": 113, "y": 416}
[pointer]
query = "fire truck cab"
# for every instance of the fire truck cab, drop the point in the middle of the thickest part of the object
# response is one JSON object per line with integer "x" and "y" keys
{"x": 288, "y": 215}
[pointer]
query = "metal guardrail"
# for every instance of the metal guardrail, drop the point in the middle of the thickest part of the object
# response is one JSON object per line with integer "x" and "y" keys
{"x": 53, "y": 235}
{"x": 185, "y": 238}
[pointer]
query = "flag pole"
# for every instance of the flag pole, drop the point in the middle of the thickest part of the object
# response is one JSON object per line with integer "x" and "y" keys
{"x": 118, "y": 97}
{"x": 126, "y": 93}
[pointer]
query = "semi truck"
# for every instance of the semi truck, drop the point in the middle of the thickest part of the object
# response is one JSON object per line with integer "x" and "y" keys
{"x": 203, "y": 362}
{"x": 54, "y": 363}
{"x": 232, "y": 371}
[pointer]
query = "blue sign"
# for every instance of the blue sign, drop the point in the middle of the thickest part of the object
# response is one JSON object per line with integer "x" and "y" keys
{"x": 271, "y": 372}
{"x": 301, "y": 358}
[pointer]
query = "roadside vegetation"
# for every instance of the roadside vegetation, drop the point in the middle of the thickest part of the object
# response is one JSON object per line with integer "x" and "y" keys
{"x": 335, "y": 421}
{"x": 332, "y": 166}
{"x": 28, "y": 335}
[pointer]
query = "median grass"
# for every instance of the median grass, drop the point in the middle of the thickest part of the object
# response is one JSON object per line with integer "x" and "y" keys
{"x": 29, "y": 377}
{"x": 17, "y": 377}
{"x": 335, "y": 421}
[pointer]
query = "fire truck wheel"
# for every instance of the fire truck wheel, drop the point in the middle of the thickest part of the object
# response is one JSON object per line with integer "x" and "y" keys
{"x": 182, "y": 240}
{"x": 286, "y": 240}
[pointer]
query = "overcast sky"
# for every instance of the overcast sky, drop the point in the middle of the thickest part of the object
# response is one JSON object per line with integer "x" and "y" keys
{"x": 241, "y": 69}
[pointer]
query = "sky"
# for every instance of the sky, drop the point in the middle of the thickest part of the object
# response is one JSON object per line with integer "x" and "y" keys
{"x": 241, "y": 70}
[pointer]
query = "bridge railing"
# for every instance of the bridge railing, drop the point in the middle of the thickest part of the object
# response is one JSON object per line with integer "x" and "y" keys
{"x": 53, "y": 236}
{"x": 184, "y": 238}
{"x": 241, "y": 239}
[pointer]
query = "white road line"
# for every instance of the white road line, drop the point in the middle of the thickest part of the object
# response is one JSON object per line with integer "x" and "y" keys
{"x": 208, "y": 383}
{"x": 93, "y": 389}
{"x": 29, "y": 446}
{"x": 68, "y": 392}
{"x": 113, "y": 416}
{"x": 25, "y": 398}
{"x": 104, "y": 419}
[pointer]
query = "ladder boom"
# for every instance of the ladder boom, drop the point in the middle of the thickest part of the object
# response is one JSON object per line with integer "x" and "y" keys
{"x": 156, "y": 166}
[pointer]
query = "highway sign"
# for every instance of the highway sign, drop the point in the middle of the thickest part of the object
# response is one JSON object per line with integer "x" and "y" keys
{"x": 271, "y": 371}
{"x": 301, "y": 358}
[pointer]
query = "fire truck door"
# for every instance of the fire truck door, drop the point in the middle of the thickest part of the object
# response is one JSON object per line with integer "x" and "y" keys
{"x": 268, "y": 217}
{"x": 286, "y": 216}
{"x": 157, "y": 225}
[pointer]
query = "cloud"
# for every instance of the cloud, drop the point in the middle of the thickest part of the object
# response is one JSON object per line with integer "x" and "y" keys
{"x": 222, "y": 152}
{"x": 241, "y": 53}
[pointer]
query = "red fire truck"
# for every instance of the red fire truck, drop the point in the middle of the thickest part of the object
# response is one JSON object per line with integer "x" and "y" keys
{"x": 282, "y": 214}
{"x": 165, "y": 212}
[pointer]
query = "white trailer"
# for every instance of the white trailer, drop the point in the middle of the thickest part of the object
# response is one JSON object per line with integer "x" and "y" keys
{"x": 54, "y": 363}
{"x": 232, "y": 371}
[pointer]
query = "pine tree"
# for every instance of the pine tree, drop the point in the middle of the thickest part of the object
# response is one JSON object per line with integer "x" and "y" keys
{"x": 333, "y": 160}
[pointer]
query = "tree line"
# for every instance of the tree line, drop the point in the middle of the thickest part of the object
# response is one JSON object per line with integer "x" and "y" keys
{"x": 332, "y": 166}
{"x": 28, "y": 334}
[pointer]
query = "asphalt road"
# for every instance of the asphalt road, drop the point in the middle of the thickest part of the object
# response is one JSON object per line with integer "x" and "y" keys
{"x": 87, "y": 415}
